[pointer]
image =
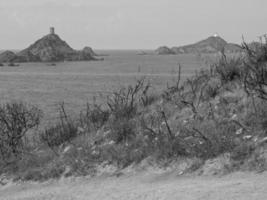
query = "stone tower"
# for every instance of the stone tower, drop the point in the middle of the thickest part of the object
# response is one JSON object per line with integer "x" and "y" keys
{"x": 52, "y": 30}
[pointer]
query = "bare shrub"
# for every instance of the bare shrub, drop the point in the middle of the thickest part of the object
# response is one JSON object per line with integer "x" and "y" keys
{"x": 255, "y": 64}
{"x": 123, "y": 130}
{"x": 16, "y": 119}
{"x": 54, "y": 171}
{"x": 123, "y": 107}
{"x": 63, "y": 131}
{"x": 176, "y": 87}
{"x": 212, "y": 90}
{"x": 229, "y": 69}
{"x": 162, "y": 141}
{"x": 124, "y": 103}
{"x": 59, "y": 134}
{"x": 192, "y": 92}
{"x": 242, "y": 151}
{"x": 93, "y": 117}
{"x": 124, "y": 154}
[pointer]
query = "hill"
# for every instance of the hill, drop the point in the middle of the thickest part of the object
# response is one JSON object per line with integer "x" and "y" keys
{"x": 212, "y": 44}
{"x": 49, "y": 48}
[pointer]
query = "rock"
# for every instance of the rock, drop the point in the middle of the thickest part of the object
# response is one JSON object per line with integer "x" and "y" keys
{"x": 49, "y": 48}
{"x": 213, "y": 44}
{"x": 89, "y": 50}
{"x": 164, "y": 51}
{"x": 27, "y": 56}
{"x": 210, "y": 45}
{"x": 8, "y": 56}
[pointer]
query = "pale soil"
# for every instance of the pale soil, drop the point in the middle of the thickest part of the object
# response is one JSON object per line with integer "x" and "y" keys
{"x": 243, "y": 186}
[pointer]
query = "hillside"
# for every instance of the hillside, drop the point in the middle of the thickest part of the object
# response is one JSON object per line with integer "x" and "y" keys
{"x": 49, "y": 48}
{"x": 212, "y": 44}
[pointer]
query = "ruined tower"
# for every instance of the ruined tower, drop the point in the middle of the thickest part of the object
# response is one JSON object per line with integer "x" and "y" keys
{"x": 52, "y": 30}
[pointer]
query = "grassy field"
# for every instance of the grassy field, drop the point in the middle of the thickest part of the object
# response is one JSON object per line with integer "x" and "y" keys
{"x": 75, "y": 83}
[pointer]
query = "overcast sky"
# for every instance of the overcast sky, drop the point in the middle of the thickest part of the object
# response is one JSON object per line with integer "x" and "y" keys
{"x": 130, "y": 24}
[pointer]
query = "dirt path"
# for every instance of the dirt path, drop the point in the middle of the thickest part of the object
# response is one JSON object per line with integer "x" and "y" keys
{"x": 152, "y": 187}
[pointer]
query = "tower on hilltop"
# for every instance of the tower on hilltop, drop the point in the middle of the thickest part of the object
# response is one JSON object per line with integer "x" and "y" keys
{"x": 52, "y": 30}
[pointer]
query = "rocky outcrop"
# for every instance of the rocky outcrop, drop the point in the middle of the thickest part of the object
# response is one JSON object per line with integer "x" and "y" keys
{"x": 164, "y": 51}
{"x": 50, "y": 48}
{"x": 8, "y": 56}
{"x": 213, "y": 44}
{"x": 90, "y": 51}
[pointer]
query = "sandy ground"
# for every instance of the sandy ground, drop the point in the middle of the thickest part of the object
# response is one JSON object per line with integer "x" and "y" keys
{"x": 243, "y": 186}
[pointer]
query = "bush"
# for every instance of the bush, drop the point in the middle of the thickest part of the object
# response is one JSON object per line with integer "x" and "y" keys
{"x": 94, "y": 117}
{"x": 212, "y": 90}
{"x": 242, "y": 151}
{"x": 122, "y": 130}
{"x": 16, "y": 119}
{"x": 124, "y": 103}
{"x": 42, "y": 174}
{"x": 229, "y": 69}
{"x": 160, "y": 138}
{"x": 59, "y": 134}
{"x": 193, "y": 92}
{"x": 63, "y": 131}
{"x": 255, "y": 78}
{"x": 122, "y": 155}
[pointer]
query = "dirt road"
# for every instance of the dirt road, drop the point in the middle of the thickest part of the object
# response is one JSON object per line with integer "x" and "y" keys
{"x": 249, "y": 186}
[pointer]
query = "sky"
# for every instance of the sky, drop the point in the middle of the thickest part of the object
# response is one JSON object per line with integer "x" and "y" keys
{"x": 130, "y": 24}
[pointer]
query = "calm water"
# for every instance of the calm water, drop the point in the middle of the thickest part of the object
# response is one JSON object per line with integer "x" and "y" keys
{"x": 75, "y": 83}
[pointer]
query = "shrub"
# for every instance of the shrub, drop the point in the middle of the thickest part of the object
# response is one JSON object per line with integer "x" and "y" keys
{"x": 192, "y": 92}
{"x": 124, "y": 103}
{"x": 242, "y": 151}
{"x": 212, "y": 90}
{"x": 63, "y": 131}
{"x": 255, "y": 78}
{"x": 161, "y": 140}
{"x": 207, "y": 139}
{"x": 122, "y": 155}
{"x": 123, "y": 108}
{"x": 94, "y": 117}
{"x": 59, "y": 134}
{"x": 229, "y": 69}
{"x": 123, "y": 130}
{"x": 16, "y": 119}
{"x": 49, "y": 172}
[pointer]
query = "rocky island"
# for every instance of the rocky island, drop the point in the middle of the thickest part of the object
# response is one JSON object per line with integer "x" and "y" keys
{"x": 212, "y": 44}
{"x": 50, "y": 48}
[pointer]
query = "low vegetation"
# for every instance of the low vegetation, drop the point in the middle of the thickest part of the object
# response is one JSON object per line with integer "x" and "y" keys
{"x": 221, "y": 111}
